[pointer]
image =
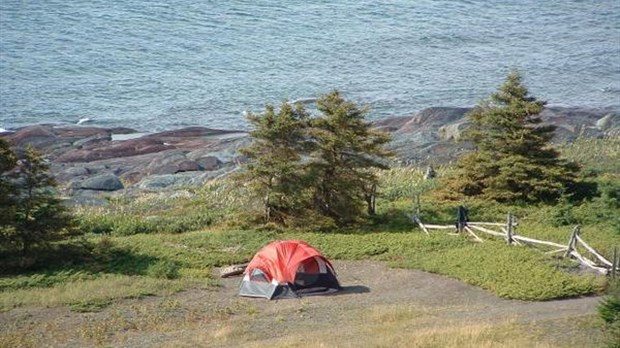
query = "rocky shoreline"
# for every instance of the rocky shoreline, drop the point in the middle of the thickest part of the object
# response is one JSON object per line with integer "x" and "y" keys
{"x": 88, "y": 161}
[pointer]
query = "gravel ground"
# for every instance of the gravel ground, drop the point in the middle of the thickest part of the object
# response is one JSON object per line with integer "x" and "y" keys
{"x": 217, "y": 317}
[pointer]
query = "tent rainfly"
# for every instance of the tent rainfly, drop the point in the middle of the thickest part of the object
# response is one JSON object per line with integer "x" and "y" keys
{"x": 288, "y": 269}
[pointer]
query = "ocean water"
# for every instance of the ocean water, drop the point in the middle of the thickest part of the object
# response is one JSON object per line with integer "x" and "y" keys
{"x": 156, "y": 65}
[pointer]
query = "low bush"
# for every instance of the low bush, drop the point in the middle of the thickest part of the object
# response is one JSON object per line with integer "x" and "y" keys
{"x": 126, "y": 224}
{"x": 609, "y": 311}
{"x": 164, "y": 270}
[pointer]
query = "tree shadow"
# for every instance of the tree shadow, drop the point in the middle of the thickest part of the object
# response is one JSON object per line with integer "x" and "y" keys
{"x": 397, "y": 220}
{"x": 62, "y": 260}
{"x": 353, "y": 289}
{"x": 344, "y": 290}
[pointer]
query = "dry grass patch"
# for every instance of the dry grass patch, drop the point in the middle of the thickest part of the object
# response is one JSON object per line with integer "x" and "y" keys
{"x": 87, "y": 295}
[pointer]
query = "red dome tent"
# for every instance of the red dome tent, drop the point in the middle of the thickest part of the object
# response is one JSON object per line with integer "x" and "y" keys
{"x": 285, "y": 269}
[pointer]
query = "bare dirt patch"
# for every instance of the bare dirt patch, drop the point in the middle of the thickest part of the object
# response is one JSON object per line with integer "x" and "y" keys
{"x": 379, "y": 306}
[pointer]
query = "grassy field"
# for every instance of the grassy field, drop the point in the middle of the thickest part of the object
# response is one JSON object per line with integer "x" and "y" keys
{"x": 133, "y": 263}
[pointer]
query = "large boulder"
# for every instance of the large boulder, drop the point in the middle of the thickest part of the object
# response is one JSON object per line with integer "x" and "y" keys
{"x": 187, "y": 166}
{"x": 39, "y": 136}
{"x": 159, "y": 182}
{"x": 454, "y": 130}
{"x": 70, "y": 173}
{"x": 165, "y": 162}
{"x": 171, "y": 162}
{"x": 103, "y": 182}
{"x": 432, "y": 119}
{"x": 209, "y": 163}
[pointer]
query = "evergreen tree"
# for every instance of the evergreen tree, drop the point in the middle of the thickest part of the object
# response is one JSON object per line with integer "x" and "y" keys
{"x": 512, "y": 160}
{"x": 609, "y": 311}
{"x": 33, "y": 215}
{"x": 346, "y": 148}
{"x": 8, "y": 161}
{"x": 275, "y": 169}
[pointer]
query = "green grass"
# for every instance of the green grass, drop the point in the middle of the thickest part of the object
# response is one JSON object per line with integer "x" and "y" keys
{"x": 599, "y": 155}
{"x": 157, "y": 264}
{"x": 166, "y": 212}
{"x": 90, "y": 295}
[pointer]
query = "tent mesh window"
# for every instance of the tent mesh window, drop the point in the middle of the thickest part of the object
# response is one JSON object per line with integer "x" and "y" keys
{"x": 259, "y": 276}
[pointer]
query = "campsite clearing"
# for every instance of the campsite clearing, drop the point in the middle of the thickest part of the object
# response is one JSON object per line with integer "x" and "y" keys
{"x": 378, "y": 307}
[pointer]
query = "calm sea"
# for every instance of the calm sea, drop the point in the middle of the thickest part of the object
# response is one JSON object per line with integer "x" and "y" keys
{"x": 156, "y": 65}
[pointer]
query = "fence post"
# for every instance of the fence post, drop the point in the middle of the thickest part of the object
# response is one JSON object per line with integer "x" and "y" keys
{"x": 418, "y": 208}
{"x": 461, "y": 218}
{"x": 509, "y": 231}
{"x": 572, "y": 241}
{"x": 615, "y": 263}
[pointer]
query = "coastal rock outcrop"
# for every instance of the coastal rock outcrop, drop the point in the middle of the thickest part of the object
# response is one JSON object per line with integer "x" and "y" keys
{"x": 91, "y": 161}
{"x": 433, "y": 135}
{"x": 88, "y": 160}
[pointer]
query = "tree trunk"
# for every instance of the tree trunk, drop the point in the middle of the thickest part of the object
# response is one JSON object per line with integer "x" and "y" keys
{"x": 371, "y": 202}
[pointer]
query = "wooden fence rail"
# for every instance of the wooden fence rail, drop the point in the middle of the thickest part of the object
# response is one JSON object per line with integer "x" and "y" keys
{"x": 598, "y": 262}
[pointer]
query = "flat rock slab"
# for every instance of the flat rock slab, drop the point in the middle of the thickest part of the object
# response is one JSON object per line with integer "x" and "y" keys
{"x": 104, "y": 182}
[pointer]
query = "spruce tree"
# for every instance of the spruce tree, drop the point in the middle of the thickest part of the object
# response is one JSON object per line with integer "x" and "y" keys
{"x": 33, "y": 215}
{"x": 8, "y": 161}
{"x": 274, "y": 169}
{"x": 346, "y": 149}
{"x": 512, "y": 160}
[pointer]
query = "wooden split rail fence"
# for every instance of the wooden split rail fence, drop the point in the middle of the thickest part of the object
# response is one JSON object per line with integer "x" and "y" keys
{"x": 595, "y": 260}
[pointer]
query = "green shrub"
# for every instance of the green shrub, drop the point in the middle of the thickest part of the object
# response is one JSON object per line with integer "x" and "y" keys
{"x": 126, "y": 224}
{"x": 164, "y": 270}
{"x": 94, "y": 305}
{"x": 404, "y": 183}
{"x": 595, "y": 155}
{"x": 609, "y": 311}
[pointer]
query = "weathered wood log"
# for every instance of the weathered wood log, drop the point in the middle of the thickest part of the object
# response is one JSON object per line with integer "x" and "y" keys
{"x": 440, "y": 227}
{"x": 473, "y": 234}
{"x": 233, "y": 270}
{"x": 591, "y": 250}
{"x": 417, "y": 219}
{"x": 588, "y": 263}
{"x": 572, "y": 241}
{"x": 536, "y": 241}
{"x": 489, "y": 223}
{"x": 486, "y": 230}
{"x": 556, "y": 251}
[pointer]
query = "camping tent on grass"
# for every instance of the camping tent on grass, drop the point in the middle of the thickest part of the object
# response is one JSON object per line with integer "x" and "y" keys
{"x": 285, "y": 269}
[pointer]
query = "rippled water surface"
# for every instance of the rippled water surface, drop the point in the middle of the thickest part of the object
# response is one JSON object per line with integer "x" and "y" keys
{"x": 160, "y": 65}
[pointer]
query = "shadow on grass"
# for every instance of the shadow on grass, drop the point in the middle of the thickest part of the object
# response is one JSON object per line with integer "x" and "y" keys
{"x": 60, "y": 261}
{"x": 399, "y": 220}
